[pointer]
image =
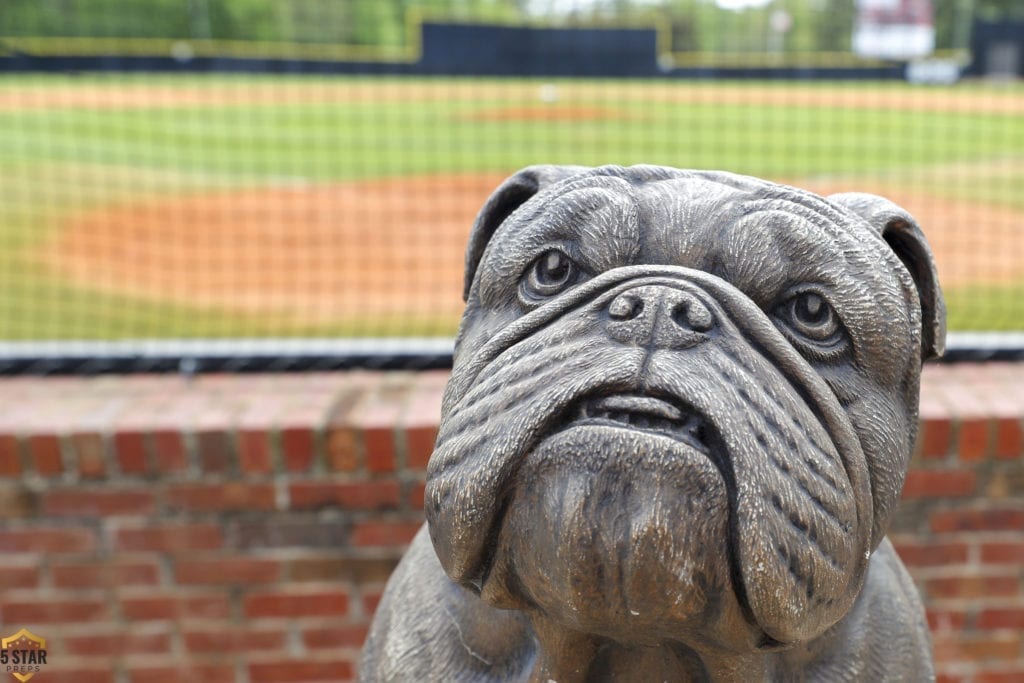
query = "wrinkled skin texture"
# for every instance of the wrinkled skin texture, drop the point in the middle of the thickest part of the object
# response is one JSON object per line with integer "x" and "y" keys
{"x": 678, "y": 423}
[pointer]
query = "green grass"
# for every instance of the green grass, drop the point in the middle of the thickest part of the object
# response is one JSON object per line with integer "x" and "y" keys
{"x": 59, "y": 161}
{"x": 998, "y": 307}
{"x": 331, "y": 141}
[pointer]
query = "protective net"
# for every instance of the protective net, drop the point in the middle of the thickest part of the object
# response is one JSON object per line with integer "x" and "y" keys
{"x": 198, "y": 169}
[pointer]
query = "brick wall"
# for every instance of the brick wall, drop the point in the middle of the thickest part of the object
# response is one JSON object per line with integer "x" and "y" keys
{"x": 241, "y": 528}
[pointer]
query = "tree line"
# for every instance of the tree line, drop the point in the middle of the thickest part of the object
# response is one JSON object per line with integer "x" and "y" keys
{"x": 696, "y": 25}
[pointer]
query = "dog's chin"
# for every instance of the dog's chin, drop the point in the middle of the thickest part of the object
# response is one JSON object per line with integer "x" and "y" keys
{"x": 617, "y": 526}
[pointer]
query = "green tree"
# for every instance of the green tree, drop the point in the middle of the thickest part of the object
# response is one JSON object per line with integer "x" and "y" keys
{"x": 1000, "y": 9}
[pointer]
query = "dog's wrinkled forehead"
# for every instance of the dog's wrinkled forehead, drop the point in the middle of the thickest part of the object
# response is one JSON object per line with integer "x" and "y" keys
{"x": 759, "y": 237}
{"x": 756, "y": 235}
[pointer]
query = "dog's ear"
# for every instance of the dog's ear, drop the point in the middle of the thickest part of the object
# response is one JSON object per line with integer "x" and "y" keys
{"x": 901, "y": 232}
{"x": 509, "y": 196}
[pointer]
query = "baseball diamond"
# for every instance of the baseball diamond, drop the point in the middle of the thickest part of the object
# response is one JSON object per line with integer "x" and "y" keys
{"x": 198, "y": 206}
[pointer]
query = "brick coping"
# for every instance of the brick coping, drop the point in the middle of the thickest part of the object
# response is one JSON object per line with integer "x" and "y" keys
{"x": 357, "y": 420}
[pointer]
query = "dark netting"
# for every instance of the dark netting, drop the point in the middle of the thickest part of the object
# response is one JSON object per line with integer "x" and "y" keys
{"x": 193, "y": 172}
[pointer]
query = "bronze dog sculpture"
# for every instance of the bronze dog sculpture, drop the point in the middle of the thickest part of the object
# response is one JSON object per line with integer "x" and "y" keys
{"x": 678, "y": 423}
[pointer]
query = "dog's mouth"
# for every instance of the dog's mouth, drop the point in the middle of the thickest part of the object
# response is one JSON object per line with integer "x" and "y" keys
{"x": 646, "y": 414}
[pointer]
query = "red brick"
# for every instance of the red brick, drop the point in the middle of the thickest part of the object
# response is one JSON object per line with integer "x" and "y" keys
{"x": 216, "y": 497}
{"x": 925, "y": 554}
{"x": 130, "y": 450}
{"x": 18, "y": 502}
{"x": 89, "y": 453}
{"x": 936, "y": 437}
{"x": 183, "y": 673}
{"x": 342, "y": 454}
{"x": 108, "y": 574}
{"x": 419, "y": 444}
{"x": 174, "y": 607}
{"x": 61, "y": 674}
{"x": 417, "y": 495}
{"x": 300, "y": 671}
{"x": 1001, "y": 618}
{"x": 939, "y": 484}
{"x": 214, "y": 450}
{"x": 297, "y": 446}
{"x": 370, "y": 601}
{"x": 45, "y": 451}
{"x": 972, "y": 441}
{"x": 379, "y": 444}
{"x": 994, "y": 519}
{"x": 1012, "y": 674}
{"x": 48, "y": 540}
{"x": 170, "y": 538}
{"x": 254, "y": 452}
{"x": 962, "y": 647}
{"x": 1009, "y": 438}
{"x": 118, "y": 644}
{"x": 227, "y": 570}
{"x": 942, "y": 620}
{"x": 169, "y": 448}
{"x": 231, "y": 639}
{"x": 338, "y": 636}
{"x": 10, "y": 456}
{"x": 295, "y": 604}
{"x": 283, "y": 531}
{"x": 79, "y": 502}
{"x": 357, "y": 570}
{"x": 1005, "y": 646}
{"x": 318, "y": 569}
{"x": 384, "y": 533}
{"x": 12, "y": 577}
{"x": 367, "y": 495}
{"x": 1003, "y": 553}
{"x": 972, "y": 587}
{"x": 53, "y": 611}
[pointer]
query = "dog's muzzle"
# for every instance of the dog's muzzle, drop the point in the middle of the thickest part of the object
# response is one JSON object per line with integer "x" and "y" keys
{"x": 670, "y": 353}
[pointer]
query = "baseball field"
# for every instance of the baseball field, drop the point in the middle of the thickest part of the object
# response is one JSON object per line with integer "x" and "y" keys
{"x": 252, "y": 206}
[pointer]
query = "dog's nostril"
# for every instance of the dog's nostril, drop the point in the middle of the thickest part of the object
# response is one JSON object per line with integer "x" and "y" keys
{"x": 691, "y": 314}
{"x": 625, "y": 307}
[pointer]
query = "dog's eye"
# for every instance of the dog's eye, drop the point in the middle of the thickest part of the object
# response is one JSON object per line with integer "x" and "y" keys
{"x": 813, "y": 322}
{"x": 813, "y": 316}
{"x": 550, "y": 273}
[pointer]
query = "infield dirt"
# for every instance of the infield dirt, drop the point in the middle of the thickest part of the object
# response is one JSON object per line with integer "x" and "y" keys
{"x": 118, "y": 95}
{"x": 381, "y": 248}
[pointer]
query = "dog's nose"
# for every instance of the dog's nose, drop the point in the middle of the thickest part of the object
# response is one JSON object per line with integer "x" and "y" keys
{"x": 659, "y": 316}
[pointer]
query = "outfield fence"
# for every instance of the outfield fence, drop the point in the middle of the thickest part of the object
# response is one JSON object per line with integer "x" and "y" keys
{"x": 304, "y": 211}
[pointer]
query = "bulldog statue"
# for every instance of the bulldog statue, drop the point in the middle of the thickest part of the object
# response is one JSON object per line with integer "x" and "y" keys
{"x": 677, "y": 426}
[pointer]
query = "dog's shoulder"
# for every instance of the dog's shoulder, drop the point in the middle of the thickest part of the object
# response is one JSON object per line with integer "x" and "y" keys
{"x": 884, "y": 637}
{"x": 429, "y": 628}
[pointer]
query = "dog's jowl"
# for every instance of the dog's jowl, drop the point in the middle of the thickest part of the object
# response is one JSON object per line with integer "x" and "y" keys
{"x": 676, "y": 429}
